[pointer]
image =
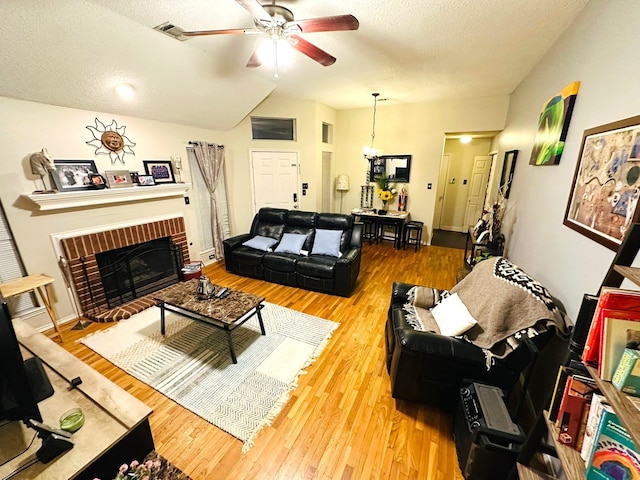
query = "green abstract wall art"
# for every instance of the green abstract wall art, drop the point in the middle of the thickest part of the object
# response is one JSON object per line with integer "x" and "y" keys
{"x": 553, "y": 125}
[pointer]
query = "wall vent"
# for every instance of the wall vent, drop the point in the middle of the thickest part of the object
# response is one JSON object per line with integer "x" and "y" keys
{"x": 172, "y": 30}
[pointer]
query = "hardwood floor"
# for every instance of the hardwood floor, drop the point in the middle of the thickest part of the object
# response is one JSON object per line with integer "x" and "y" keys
{"x": 341, "y": 421}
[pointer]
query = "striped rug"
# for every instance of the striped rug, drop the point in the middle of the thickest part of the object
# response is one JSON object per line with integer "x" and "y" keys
{"x": 192, "y": 366}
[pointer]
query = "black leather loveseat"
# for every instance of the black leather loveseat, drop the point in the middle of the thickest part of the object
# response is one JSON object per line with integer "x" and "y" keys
{"x": 335, "y": 272}
{"x": 428, "y": 367}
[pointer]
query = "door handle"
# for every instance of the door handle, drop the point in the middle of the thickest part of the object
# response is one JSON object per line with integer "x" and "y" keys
{"x": 295, "y": 197}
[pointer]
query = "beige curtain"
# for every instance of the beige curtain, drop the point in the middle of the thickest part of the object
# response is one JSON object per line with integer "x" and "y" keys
{"x": 210, "y": 159}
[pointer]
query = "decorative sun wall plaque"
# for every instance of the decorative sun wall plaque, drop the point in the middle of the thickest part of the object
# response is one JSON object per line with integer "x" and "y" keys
{"x": 110, "y": 140}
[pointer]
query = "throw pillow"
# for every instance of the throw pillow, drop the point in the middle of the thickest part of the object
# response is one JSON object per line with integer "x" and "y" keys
{"x": 291, "y": 243}
{"x": 327, "y": 242}
{"x": 452, "y": 316}
{"x": 261, "y": 243}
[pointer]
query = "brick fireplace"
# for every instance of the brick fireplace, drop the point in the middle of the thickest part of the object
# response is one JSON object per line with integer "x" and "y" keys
{"x": 80, "y": 253}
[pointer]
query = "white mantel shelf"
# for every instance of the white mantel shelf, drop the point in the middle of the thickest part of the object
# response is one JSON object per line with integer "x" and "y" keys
{"x": 84, "y": 198}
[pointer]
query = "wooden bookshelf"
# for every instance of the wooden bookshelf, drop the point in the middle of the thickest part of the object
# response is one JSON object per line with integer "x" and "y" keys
{"x": 527, "y": 473}
{"x": 631, "y": 273}
{"x": 572, "y": 462}
{"x": 625, "y": 408}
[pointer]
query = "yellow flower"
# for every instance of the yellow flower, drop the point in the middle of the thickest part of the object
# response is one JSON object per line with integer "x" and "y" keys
{"x": 386, "y": 195}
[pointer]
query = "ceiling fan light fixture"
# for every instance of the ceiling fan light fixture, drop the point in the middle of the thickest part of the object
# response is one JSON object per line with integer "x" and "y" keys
{"x": 275, "y": 51}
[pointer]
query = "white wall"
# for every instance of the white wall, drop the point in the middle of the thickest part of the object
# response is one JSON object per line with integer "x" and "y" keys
{"x": 27, "y": 127}
{"x": 417, "y": 129}
{"x": 599, "y": 50}
{"x": 309, "y": 116}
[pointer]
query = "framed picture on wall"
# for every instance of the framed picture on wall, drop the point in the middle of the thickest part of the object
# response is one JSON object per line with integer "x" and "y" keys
{"x": 161, "y": 170}
{"x": 72, "y": 175}
{"x": 603, "y": 202}
{"x": 508, "y": 167}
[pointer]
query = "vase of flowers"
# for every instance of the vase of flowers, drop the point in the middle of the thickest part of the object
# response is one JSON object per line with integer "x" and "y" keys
{"x": 137, "y": 471}
{"x": 386, "y": 190}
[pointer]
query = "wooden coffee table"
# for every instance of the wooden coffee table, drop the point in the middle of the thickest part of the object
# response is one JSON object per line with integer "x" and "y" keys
{"x": 223, "y": 313}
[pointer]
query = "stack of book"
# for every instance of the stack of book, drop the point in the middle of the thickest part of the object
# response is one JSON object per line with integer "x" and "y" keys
{"x": 613, "y": 454}
{"x": 615, "y": 326}
{"x": 571, "y": 403}
{"x": 587, "y": 423}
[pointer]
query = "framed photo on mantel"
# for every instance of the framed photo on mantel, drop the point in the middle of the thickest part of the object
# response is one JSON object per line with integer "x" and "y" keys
{"x": 72, "y": 175}
{"x": 161, "y": 170}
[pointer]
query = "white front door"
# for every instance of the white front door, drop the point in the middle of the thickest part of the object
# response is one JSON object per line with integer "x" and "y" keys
{"x": 477, "y": 188}
{"x": 275, "y": 179}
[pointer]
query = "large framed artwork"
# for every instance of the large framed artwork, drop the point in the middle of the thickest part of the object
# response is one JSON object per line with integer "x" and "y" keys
{"x": 604, "y": 196}
{"x": 71, "y": 175}
{"x": 553, "y": 125}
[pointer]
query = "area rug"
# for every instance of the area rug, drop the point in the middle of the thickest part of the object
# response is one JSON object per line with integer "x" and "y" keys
{"x": 192, "y": 366}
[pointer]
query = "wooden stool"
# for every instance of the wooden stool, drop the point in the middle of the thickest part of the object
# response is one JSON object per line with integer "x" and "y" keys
{"x": 369, "y": 229}
{"x": 397, "y": 231}
{"x": 412, "y": 234}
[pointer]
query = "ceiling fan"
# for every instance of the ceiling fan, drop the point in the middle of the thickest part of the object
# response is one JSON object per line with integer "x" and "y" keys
{"x": 279, "y": 24}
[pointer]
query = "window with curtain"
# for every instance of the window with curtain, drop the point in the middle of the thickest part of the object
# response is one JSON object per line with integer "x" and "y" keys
{"x": 203, "y": 206}
{"x": 11, "y": 267}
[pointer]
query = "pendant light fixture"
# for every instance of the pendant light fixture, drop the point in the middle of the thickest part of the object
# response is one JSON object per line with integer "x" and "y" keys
{"x": 372, "y": 152}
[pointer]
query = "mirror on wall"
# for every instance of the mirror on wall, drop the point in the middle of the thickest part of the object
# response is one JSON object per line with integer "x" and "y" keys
{"x": 508, "y": 167}
{"x": 397, "y": 167}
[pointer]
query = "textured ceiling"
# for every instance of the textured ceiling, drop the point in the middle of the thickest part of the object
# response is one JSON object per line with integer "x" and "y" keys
{"x": 72, "y": 52}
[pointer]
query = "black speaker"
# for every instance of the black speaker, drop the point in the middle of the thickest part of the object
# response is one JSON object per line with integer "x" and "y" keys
{"x": 487, "y": 441}
{"x": 583, "y": 324}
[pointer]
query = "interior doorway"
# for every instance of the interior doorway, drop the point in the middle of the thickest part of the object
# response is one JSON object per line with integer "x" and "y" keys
{"x": 327, "y": 189}
{"x": 463, "y": 181}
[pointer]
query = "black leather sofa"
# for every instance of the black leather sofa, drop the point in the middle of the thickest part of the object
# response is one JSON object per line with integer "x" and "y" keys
{"x": 323, "y": 273}
{"x": 428, "y": 367}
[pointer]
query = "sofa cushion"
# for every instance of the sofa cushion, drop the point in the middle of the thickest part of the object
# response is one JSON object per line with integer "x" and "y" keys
{"x": 291, "y": 243}
{"x": 269, "y": 222}
{"x": 317, "y": 266}
{"x": 336, "y": 221}
{"x": 260, "y": 243}
{"x": 327, "y": 242}
{"x": 280, "y": 262}
{"x": 452, "y": 316}
{"x": 248, "y": 256}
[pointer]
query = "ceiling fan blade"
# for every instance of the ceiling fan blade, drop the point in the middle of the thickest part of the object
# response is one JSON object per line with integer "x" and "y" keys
{"x": 328, "y": 24}
{"x": 254, "y": 61}
{"x": 256, "y": 10}
{"x": 198, "y": 33}
{"x": 311, "y": 51}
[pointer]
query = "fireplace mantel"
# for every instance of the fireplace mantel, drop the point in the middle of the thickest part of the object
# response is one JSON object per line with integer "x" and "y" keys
{"x": 84, "y": 198}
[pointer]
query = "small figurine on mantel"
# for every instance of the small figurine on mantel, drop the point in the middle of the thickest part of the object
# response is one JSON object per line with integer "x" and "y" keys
{"x": 42, "y": 164}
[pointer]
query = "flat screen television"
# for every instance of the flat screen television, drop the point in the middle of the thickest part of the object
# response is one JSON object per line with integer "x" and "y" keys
{"x": 23, "y": 383}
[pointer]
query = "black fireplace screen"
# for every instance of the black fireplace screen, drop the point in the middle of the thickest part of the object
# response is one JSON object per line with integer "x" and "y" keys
{"x": 131, "y": 272}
